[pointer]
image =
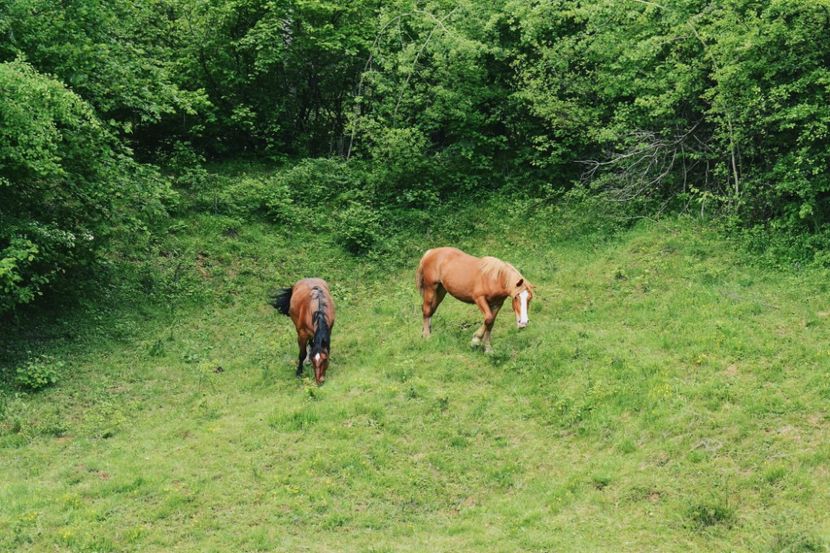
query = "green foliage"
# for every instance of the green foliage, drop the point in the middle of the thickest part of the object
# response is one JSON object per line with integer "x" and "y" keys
{"x": 402, "y": 172}
{"x": 684, "y": 102}
{"x": 118, "y": 55}
{"x": 18, "y": 284}
{"x": 39, "y": 372}
{"x": 279, "y": 74}
{"x": 712, "y": 109}
{"x": 309, "y": 192}
{"x": 67, "y": 187}
{"x": 648, "y": 102}
{"x": 322, "y": 195}
{"x": 434, "y": 90}
{"x": 774, "y": 93}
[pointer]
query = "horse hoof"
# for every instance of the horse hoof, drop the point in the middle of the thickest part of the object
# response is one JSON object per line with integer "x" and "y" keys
{"x": 475, "y": 342}
{"x": 488, "y": 349}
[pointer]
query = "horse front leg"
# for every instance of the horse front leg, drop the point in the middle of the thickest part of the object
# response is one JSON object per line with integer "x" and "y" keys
{"x": 483, "y": 331}
{"x": 476, "y": 341}
{"x": 494, "y": 310}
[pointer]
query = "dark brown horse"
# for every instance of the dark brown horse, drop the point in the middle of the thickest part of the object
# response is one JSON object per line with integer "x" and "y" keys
{"x": 484, "y": 281}
{"x": 311, "y": 308}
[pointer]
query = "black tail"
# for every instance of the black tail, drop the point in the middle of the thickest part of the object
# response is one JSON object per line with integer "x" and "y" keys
{"x": 281, "y": 300}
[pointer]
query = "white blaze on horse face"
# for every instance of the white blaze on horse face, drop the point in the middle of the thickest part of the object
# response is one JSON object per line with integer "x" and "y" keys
{"x": 522, "y": 319}
{"x": 317, "y": 358}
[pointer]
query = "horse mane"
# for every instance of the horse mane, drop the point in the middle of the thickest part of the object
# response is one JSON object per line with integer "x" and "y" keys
{"x": 281, "y": 300}
{"x": 501, "y": 271}
{"x": 322, "y": 332}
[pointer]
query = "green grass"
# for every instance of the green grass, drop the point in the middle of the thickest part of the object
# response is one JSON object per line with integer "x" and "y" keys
{"x": 667, "y": 396}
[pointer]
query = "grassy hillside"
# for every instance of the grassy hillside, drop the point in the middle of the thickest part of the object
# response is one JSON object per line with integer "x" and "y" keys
{"x": 666, "y": 396}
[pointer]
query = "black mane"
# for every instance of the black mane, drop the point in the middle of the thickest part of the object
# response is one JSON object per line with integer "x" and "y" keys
{"x": 322, "y": 332}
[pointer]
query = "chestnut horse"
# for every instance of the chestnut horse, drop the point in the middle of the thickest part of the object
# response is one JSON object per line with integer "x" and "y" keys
{"x": 485, "y": 281}
{"x": 311, "y": 308}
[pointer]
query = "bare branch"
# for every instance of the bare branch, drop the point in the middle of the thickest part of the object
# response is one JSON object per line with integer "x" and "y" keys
{"x": 643, "y": 169}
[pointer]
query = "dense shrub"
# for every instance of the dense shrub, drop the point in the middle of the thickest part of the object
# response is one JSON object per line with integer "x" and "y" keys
{"x": 67, "y": 187}
{"x": 704, "y": 106}
{"x": 279, "y": 75}
{"x": 324, "y": 195}
{"x": 309, "y": 191}
{"x": 38, "y": 373}
{"x": 184, "y": 165}
{"x": 321, "y": 179}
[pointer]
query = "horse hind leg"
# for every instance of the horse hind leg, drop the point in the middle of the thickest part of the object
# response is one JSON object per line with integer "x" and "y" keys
{"x": 433, "y": 296}
{"x": 303, "y": 344}
{"x": 428, "y": 295}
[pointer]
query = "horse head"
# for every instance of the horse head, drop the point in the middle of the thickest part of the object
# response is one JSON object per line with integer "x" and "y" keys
{"x": 522, "y": 295}
{"x": 320, "y": 361}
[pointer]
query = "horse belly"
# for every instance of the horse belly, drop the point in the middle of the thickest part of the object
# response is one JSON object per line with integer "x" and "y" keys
{"x": 461, "y": 287}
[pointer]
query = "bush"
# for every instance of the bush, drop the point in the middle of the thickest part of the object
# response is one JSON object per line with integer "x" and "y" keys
{"x": 280, "y": 200}
{"x": 67, "y": 186}
{"x": 186, "y": 166}
{"x": 401, "y": 168}
{"x": 38, "y": 373}
{"x": 224, "y": 195}
{"x": 320, "y": 180}
{"x": 313, "y": 188}
{"x": 359, "y": 227}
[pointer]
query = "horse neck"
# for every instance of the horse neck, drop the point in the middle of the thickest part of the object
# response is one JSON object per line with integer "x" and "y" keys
{"x": 507, "y": 277}
{"x": 318, "y": 301}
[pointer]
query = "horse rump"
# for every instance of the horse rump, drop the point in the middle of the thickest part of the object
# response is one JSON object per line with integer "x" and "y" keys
{"x": 419, "y": 273}
{"x": 281, "y": 300}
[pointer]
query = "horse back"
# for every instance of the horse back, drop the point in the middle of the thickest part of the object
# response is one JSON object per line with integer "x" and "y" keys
{"x": 303, "y": 305}
{"x": 457, "y": 271}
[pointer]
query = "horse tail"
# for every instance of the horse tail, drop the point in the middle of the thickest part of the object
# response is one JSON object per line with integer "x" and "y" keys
{"x": 419, "y": 273}
{"x": 281, "y": 300}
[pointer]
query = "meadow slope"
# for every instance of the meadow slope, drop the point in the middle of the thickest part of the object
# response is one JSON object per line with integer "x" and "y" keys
{"x": 666, "y": 396}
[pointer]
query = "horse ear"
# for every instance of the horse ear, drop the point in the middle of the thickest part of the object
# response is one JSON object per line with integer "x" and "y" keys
{"x": 521, "y": 281}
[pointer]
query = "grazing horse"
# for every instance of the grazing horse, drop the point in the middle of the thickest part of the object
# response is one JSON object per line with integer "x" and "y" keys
{"x": 484, "y": 281}
{"x": 311, "y": 308}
